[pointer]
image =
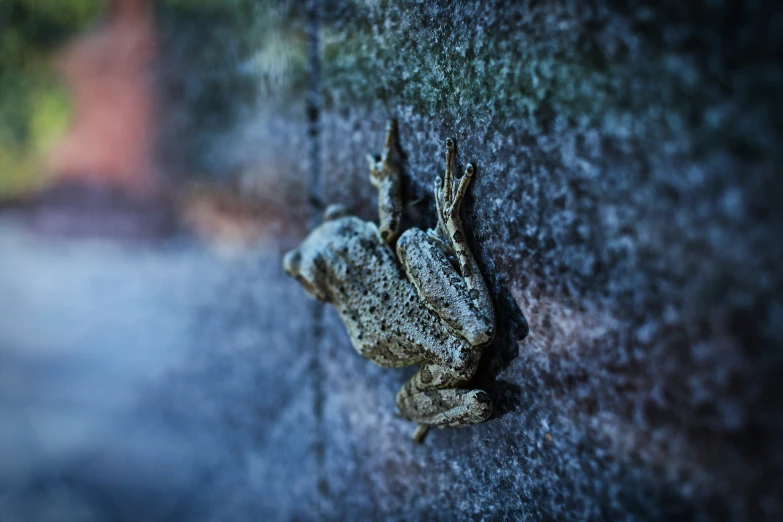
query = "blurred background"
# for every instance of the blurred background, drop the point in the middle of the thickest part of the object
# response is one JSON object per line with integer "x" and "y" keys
{"x": 158, "y": 157}
{"x": 141, "y": 183}
{"x": 141, "y": 100}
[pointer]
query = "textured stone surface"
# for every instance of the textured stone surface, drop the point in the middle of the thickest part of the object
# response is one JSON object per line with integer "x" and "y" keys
{"x": 627, "y": 197}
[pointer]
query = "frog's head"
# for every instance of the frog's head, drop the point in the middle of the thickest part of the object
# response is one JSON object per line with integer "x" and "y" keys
{"x": 299, "y": 265}
{"x": 311, "y": 262}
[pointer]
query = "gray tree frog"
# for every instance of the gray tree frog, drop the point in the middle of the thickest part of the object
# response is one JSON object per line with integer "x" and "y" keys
{"x": 429, "y": 305}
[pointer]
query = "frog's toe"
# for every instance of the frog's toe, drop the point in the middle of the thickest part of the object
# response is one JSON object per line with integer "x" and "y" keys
{"x": 479, "y": 406}
{"x": 464, "y": 182}
{"x": 335, "y": 211}
{"x": 391, "y": 139}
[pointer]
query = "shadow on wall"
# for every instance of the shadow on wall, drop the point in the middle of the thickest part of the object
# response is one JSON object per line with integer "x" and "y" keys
{"x": 511, "y": 329}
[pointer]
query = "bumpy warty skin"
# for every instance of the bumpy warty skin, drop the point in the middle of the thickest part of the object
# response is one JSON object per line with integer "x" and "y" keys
{"x": 350, "y": 266}
{"x": 416, "y": 307}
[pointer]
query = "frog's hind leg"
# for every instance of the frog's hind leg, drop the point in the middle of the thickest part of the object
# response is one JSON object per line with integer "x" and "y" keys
{"x": 449, "y": 193}
{"x": 442, "y": 288}
{"x": 431, "y": 398}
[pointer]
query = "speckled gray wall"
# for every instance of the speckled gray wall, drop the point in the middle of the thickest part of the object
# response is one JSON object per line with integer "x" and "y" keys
{"x": 626, "y": 204}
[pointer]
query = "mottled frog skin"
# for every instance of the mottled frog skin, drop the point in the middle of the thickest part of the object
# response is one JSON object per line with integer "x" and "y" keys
{"x": 426, "y": 305}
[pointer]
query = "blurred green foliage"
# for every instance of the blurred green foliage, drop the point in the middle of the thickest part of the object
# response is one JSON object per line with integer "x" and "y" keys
{"x": 220, "y": 60}
{"x": 33, "y": 103}
{"x": 217, "y": 57}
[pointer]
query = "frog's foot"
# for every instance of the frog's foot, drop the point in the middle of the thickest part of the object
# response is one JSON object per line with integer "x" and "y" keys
{"x": 386, "y": 175}
{"x": 450, "y": 191}
{"x": 380, "y": 167}
{"x": 390, "y": 142}
{"x": 436, "y": 238}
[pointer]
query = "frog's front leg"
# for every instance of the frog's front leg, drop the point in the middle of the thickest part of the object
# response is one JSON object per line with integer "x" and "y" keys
{"x": 386, "y": 176}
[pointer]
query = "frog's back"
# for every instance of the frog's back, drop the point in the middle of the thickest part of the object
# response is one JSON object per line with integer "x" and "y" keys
{"x": 368, "y": 278}
{"x": 385, "y": 318}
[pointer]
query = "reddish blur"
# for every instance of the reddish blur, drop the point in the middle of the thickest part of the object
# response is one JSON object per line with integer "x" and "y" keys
{"x": 109, "y": 72}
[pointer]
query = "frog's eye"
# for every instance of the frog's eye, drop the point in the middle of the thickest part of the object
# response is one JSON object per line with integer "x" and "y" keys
{"x": 449, "y": 143}
{"x": 291, "y": 262}
{"x": 334, "y": 212}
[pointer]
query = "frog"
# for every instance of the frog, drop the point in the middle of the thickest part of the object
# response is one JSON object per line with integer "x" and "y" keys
{"x": 416, "y": 298}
